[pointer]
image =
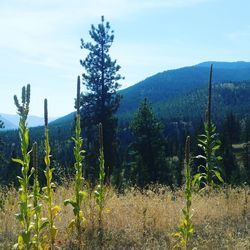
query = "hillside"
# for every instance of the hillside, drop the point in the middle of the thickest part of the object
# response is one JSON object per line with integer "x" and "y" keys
{"x": 165, "y": 86}
{"x": 169, "y": 90}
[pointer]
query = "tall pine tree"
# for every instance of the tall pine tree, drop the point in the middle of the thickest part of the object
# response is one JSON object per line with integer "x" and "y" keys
{"x": 148, "y": 159}
{"x": 100, "y": 102}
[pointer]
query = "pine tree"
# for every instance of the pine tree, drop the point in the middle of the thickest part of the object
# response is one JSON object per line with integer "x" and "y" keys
{"x": 100, "y": 102}
{"x": 148, "y": 149}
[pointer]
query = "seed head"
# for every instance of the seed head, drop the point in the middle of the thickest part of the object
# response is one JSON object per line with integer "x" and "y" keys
{"x": 78, "y": 95}
{"x": 100, "y": 135}
{"x": 187, "y": 150}
{"x": 45, "y": 112}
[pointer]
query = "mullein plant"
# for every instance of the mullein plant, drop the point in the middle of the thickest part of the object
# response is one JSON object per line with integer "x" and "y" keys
{"x": 26, "y": 213}
{"x": 185, "y": 229}
{"x": 39, "y": 223}
{"x": 100, "y": 191}
{"x": 48, "y": 189}
{"x": 209, "y": 174}
{"x": 79, "y": 220}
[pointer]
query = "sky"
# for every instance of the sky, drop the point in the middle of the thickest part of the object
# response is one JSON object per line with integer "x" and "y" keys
{"x": 40, "y": 42}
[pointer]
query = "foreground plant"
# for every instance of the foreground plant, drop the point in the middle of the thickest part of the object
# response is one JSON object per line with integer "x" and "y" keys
{"x": 76, "y": 202}
{"x": 26, "y": 213}
{"x": 100, "y": 192}
{"x": 185, "y": 229}
{"x": 48, "y": 190}
{"x": 209, "y": 174}
{"x": 39, "y": 223}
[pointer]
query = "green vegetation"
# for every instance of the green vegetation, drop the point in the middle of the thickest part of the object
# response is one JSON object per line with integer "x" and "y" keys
{"x": 79, "y": 220}
{"x": 26, "y": 213}
{"x": 146, "y": 159}
{"x": 48, "y": 189}
{"x": 185, "y": 229}
{"x": 40, "y": 223}
{"x": 208, "y": 142}
{"x": 99, "y": 104}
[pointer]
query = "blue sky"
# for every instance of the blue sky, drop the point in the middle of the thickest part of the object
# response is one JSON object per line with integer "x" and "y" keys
{"x": 40, "y": 42}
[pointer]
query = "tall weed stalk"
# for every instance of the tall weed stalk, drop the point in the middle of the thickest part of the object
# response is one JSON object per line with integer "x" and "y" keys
{"x": 76, "y": 202}
{"x": 209, "y": 173}
{"x": 100, "y": 191}
{"x": 48, "y": 190}
{"x": 26, "y": 213}
{"x": 39, "y": 223}
{"x": 185, "y": 229}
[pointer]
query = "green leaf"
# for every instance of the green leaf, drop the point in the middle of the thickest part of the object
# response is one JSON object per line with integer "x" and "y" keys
{"x": 69, "y": 201}
{"x": 18, "y": 161}
{"x": 218, "y": 175}
{"x": 44, "y": 224}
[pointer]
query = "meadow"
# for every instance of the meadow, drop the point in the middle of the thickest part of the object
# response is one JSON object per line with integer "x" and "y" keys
{"x": 143, "y": 219}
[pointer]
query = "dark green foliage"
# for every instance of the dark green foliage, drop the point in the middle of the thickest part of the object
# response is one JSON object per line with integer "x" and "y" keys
{"x": 147, "y": 151}
{"x": 101, "y": 101}
{"x": 1, "y": 144}
{"x": 230, "y": 135}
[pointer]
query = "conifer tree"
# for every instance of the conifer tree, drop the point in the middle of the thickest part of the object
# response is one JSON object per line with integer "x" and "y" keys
{"x": 148, "y": 149}
{"x": 100, "y": 102}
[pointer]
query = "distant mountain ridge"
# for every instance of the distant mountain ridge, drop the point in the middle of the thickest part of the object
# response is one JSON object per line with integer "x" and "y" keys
{"x": 12, "y": 121}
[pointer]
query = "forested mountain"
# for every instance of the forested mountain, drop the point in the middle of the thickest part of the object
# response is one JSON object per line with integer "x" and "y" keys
{"x": 167, "y": 86}
{"x": 181, "y": 93}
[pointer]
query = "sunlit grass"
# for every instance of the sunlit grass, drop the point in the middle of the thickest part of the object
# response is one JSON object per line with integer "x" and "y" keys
{"x": 145, "y": 219}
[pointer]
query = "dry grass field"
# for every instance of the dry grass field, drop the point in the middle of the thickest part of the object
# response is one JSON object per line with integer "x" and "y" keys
{"x": 145, "y": 219}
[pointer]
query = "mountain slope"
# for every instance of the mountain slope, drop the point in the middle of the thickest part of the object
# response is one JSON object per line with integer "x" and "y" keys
{"x": 173, "y": 83}
{"x": 7, "y": 124}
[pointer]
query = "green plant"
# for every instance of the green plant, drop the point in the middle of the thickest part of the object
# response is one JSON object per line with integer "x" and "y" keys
{"x": 48, "y": 190}
{"x": 208, "y": 174}
{"x": 100, "y": 191}
{"x": 79, "y": 156}
{"x": 185, "y": 229}
{"x": 26, "y": 213}
{"x": 39, "y": 223}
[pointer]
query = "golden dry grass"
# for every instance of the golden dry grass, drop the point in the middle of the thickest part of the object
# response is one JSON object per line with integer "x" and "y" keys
{"x": 146, "y": 219}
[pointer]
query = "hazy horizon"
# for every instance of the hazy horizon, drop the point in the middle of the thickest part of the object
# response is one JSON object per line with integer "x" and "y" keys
{"x": 40, "y": 42}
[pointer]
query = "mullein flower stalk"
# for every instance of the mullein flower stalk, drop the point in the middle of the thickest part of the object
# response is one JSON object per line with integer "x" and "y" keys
{"x": 100, "y": 191}
{"x": 39, "y": 223}
{"x": 79, "y": 220}
{"x": 26, "y": 213}
{"x": 208, "y": 174}
{"x": 185, "y": 229}
{"x": 48, "y": 190}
